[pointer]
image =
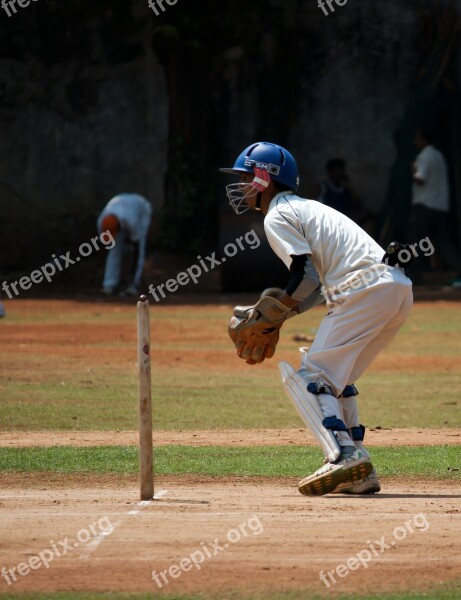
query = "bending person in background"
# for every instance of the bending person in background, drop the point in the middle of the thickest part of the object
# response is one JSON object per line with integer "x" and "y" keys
{"x": 127, "y": 217}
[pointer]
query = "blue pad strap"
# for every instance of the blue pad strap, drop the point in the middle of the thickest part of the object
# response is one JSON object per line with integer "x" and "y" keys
{"x": 358, "y": 433}
{"x": 334, "y": 423}
{"x": 319, "y": 387}
{"x": 349, "y": 390}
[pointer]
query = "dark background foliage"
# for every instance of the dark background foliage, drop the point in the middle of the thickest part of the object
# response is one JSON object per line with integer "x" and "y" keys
{"x": 102, "y": 97}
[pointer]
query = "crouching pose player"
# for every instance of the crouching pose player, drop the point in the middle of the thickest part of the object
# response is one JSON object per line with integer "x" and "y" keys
{"x": 329, "y": 258}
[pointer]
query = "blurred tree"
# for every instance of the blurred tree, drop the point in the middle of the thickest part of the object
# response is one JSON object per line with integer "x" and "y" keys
{"x": 199, "y": 44}
{"x": 434, "y": 104}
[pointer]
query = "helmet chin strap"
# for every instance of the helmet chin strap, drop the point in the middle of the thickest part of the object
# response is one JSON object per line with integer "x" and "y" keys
{"x": 258, "y": 201}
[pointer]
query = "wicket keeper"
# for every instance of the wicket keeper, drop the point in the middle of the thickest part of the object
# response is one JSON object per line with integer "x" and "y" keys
{"x": 330, "y": 258}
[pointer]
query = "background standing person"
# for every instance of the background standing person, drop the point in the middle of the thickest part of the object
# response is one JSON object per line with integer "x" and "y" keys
{"x": 338, "y": 192}
{"x": 127, "y": 217}
{"x": 431, "y": 205}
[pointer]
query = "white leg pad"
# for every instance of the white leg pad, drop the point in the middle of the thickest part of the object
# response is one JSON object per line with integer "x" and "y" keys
{"x": 308, "y": 408}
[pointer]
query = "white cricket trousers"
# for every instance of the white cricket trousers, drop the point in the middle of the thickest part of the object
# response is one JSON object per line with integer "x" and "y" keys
{"x": 359, "y": 324}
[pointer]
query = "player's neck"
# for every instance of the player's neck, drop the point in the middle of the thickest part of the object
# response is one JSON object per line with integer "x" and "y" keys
{"x": 266, "y": 201}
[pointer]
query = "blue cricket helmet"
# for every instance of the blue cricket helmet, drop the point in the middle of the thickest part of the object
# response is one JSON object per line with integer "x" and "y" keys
{"x": 274, "y": 159}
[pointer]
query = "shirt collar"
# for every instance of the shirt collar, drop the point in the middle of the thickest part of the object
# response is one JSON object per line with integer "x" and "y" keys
{"x": 273, "y": 202}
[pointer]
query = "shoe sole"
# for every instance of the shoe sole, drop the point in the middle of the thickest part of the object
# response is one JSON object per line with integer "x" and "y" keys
{"x": 372, "y": 489}
{"x": 327, "y": 482}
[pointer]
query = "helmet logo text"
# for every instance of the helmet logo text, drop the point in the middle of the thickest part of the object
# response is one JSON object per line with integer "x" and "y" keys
{"x": 269, "y": 167}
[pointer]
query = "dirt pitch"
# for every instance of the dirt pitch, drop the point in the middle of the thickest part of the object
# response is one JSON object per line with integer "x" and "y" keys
{"x": 298, "y": 537}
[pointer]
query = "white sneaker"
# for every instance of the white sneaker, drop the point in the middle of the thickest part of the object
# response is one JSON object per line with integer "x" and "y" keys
{"x": 355, "y": 467}
{"x": 368, "y": 485}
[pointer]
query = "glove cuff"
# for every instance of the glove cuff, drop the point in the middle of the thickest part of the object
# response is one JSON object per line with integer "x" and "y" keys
{"x": 272, "y": 310}
{"x": 242, "y": 312}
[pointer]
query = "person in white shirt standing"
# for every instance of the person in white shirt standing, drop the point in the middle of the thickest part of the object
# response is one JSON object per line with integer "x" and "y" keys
{"x": 431, "y": 204}
{"x": 127, "y": 217}
{"x": 329, "y": 257}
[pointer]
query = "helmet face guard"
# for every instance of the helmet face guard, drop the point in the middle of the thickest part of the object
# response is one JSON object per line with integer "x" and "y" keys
{"x": 238, "y": 193}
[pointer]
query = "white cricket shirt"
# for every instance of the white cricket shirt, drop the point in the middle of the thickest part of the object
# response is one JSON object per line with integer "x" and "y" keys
{"x": 431, "y": 167}
{"x": 338, "y": 247}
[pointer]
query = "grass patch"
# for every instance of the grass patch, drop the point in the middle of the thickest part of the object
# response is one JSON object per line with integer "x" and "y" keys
{"x": 219, "y": 401}
{"x": 75, "y": 381}
{"x": 442, "y": 593}
{"x": 433, "y": 462}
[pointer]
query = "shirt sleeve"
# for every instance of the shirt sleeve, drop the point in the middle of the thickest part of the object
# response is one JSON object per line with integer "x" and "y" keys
{"x": 285, "y": 236}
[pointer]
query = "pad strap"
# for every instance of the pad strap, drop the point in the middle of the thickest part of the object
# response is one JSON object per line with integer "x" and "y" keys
{"x": 334, "y": 424}
{"x": 320, "y": 387}
{"x": 308, "y": 407}
{"x": 348, "y": 391}
{"x": 358, "y": 433}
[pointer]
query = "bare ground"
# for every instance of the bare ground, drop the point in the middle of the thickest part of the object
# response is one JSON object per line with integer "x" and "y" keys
{"x": 298, "y": 537}
{"x": 289, "y": 538}
{"x": 226, "y": 437}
